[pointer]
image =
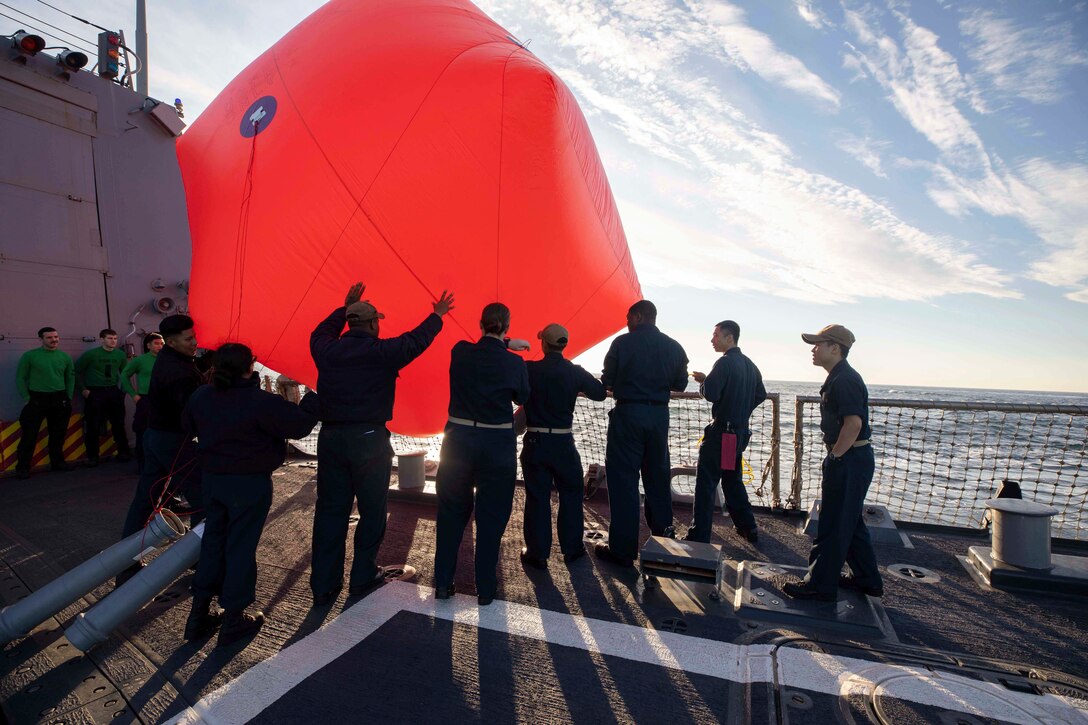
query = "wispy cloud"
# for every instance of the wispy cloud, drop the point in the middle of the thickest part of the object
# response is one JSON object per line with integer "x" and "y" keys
{"x": 810, "y": 14}
{"x": 866, "y": 150}
{"x": 923, "y": 82}
{"x": 775, "y": 226}
{"x": 751, "y": 49}
{"x": 1023, "y": 62}
{"x": 1079, "y": 296}
{"x": 1048, "y": 198}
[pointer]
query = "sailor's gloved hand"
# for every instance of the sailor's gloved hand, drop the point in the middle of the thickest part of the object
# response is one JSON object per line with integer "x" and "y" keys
{"x": 516, "y": 343}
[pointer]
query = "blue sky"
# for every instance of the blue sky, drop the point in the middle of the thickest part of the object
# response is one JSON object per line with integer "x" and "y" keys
{"x": 917, "y": 171}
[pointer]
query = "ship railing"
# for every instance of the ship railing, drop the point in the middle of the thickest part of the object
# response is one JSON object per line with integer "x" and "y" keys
{"x": 689, "y": 414}
{"x": 937, "y": 462}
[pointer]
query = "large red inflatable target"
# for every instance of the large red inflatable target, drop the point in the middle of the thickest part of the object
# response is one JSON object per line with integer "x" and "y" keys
{"x": 414, "y": 145}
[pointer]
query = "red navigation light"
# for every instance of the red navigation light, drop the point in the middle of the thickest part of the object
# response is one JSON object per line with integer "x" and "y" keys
{"x": 27, "y": 43}
{"x": 109, "y": 54}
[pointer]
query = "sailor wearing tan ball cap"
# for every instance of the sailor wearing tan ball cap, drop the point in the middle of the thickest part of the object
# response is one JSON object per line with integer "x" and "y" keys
{"x": 549, "y": 457}
{"x": 847, "y": 473}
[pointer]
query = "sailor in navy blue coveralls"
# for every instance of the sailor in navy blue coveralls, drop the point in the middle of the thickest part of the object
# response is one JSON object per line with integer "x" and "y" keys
{"x": 241, "y": 432}
{"x": 734, "y": 388}
{"x": 169, "y": 455}
{"x": 479, "y": 451}
{"x": 548, "y": 455}
{"x": 641, "y": 368}
{"x": 356, "y": 381}
{"x": 841, "y": 536}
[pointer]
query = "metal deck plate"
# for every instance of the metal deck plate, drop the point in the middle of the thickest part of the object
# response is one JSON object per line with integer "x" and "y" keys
{"x": 1069, "y": 575}
{"x": 664, "y": 557}
{"x": 758, "y": 595}
{"x": 877, "y": 519}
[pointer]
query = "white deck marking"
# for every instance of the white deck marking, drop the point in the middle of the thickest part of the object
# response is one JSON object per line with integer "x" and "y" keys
{"x": 244, "y": 698}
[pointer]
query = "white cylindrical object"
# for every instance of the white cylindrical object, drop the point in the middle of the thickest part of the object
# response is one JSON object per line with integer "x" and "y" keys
{"x": 21, "y": 617}
{"x": 410, "y": 470}
{"x": 94, "y": 626}
{"x": 1021, "y": 532}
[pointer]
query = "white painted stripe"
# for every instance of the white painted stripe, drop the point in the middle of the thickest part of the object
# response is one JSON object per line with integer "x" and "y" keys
{"x": 265, "y": 682}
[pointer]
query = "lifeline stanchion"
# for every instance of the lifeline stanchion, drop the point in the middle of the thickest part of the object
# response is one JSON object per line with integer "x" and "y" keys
{"x": 94, "y": 626}
{"x": 19, "y": 618}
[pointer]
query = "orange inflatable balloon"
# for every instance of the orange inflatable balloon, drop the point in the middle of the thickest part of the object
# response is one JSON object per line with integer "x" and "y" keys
{"x": 414, "y": 145}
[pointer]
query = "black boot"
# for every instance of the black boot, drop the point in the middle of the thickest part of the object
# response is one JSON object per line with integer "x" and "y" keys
{"x": 239, "y": 625}
{"x": 203, "y": 620}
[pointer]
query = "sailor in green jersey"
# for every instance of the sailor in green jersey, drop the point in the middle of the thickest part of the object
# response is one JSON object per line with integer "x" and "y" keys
{"x": 46, "y": 380}
{"x": 140, "y": 367}
{"x": 99, "y": 370}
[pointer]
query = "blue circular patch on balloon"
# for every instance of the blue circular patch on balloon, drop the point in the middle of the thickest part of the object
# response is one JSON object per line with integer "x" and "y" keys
{"x": 258, "y": 116}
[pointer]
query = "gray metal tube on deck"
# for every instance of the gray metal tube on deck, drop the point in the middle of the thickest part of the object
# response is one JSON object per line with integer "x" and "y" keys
{"x": 19, "y": 618}
{"x": 94, "y": 626}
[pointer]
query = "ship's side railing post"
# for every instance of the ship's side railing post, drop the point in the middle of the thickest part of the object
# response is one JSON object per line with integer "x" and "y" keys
{"x": 776, "y": 450}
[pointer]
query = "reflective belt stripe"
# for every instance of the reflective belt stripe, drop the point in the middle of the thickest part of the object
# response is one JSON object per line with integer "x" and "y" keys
{"x": 533, "y": 429}
{"x": 856, "y": 444}
{"x": 475, "y": 424}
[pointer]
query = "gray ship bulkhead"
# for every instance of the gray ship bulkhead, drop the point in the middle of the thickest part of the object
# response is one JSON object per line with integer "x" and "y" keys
{"x": 93, "y": 212}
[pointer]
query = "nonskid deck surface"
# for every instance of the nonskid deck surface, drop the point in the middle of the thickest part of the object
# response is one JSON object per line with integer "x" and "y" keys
{"x": 580, "y": 643}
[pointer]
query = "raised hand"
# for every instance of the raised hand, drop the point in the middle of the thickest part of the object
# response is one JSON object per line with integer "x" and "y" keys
{"x": 444, "y": 304}
{"x": 699, "y": 377}
{"x": 354, "y": 294}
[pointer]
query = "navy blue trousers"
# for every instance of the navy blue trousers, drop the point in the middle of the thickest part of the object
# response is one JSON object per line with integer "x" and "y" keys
{"x": 235, "y": 508}
{"x": 547, "y": 460}
{"x": 638, "y": 443}
{"x": 708, "y": 475}
{"x": 354, "y": 461}
{"x": 841, "y": 536}
{"x": 484, "y": 459}
{"x": 169, "y": 466}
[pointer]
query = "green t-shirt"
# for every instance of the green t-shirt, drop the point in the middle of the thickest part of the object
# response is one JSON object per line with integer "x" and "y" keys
{"x": 140, "y": 366}
{"x": 97, "y": 368}
{"x": 45, "y": 371}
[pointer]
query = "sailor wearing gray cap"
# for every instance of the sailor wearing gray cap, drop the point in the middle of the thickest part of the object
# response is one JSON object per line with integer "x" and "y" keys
{"x": 356, "y": 384}
{"x": 847, "y": 473}
{"x": 549, "y": 456}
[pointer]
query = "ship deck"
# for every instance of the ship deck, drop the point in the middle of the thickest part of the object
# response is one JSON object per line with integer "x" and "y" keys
{"x": 588, "y": 642}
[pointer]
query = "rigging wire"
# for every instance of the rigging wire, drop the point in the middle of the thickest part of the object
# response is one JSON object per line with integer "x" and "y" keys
{"x": 74, "y": 17}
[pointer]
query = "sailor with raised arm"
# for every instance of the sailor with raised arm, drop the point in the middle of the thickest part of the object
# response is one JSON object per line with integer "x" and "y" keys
{"x": 357, "y": 381}
{"x": 479, "y": 451}
{"x": 548, "y": 456}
